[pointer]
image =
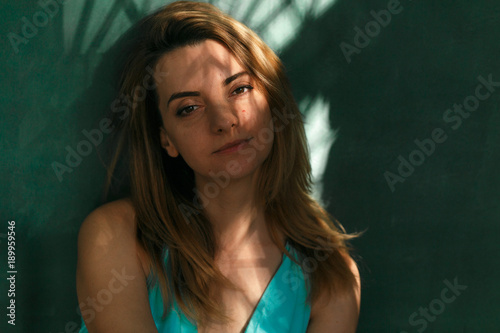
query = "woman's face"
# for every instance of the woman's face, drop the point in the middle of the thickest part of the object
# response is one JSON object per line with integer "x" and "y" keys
{"x": 213, "y": 113}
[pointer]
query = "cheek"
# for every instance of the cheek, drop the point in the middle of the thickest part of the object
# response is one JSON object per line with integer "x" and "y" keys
{"x": 264, "y": 131}
{"x": 266, "y": 119}
{"x": 184, "y": 143}
{"x": 257, "y": 112}
{"x": 190, "y": 145}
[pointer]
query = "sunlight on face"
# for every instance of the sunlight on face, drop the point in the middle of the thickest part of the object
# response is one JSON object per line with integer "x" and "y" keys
{"x": 213, "y": 113}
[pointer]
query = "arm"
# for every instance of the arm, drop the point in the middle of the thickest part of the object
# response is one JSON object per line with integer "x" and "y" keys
{"x": 338, "y": 314}
{"x": 110, "y": 280}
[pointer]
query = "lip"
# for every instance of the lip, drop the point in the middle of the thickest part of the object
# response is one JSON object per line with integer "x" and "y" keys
{"x": 232, "y": 146}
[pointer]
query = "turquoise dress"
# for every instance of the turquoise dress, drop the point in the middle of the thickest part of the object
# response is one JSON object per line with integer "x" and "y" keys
{"x": 282, "y": 308}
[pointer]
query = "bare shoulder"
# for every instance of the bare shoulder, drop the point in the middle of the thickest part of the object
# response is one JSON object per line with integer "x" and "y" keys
{"x": 111, "y": 282}
{"x": 338, "y": 314}
{"x": 116, "y": 216}
{"x": 112, "y": 225}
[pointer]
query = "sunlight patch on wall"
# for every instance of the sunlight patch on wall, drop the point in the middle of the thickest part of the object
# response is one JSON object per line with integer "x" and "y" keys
{"x": 239, "y": 10}
{"x": 276, "y": 21}
{"x": 320, "y": 137}
{"x": 98, "y": 17}
{"x": 282, "y": 29}
{"x": 118, "y": 27}
{"x": 72, "y": 12}
{"x": 321, "y": 6}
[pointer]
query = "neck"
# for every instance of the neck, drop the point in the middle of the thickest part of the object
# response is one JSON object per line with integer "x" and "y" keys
{"x": 237, "y": 216}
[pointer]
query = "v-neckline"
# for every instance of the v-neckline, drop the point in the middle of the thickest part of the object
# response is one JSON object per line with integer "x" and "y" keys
{"x": 260, "y": 303}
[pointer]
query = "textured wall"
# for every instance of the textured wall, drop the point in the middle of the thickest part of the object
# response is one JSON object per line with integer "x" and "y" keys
{"x": 404, "y": 93}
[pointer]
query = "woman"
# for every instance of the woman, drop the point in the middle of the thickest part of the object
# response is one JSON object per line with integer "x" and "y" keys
{"x": 220, "y": 233}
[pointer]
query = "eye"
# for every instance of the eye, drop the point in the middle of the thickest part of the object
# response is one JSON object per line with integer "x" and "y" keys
{"x": 241, "y": 90}
{"x": 185, "y": 111}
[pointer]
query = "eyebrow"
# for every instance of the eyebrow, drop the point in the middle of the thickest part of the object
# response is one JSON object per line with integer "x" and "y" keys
{"x": 197, "y": 93}
{"x": 182, "y": 94}
{"x": 234, "y": 77}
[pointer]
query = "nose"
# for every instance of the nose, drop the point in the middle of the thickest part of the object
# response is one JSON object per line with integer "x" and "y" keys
{"x": 223, "y": 118}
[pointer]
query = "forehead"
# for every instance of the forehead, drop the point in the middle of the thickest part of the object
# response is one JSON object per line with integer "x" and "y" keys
{"x": 189, "y": 66}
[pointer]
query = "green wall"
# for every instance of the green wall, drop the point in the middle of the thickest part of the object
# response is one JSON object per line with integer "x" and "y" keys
{"x": 435, "y": 226}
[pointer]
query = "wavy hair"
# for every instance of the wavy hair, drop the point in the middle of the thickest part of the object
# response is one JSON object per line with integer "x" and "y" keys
{"x": 168, "y": 212}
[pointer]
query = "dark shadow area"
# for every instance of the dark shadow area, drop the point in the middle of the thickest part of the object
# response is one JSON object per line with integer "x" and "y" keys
{"x": 441, "y": 223}
{"x": 53, "y": 97}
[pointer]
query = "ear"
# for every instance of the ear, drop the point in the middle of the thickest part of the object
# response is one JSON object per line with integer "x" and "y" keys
{"x": 167, "y": 144}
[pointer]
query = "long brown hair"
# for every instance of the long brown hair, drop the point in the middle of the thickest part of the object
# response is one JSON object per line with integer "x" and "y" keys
{"x": 168, "y": 212}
